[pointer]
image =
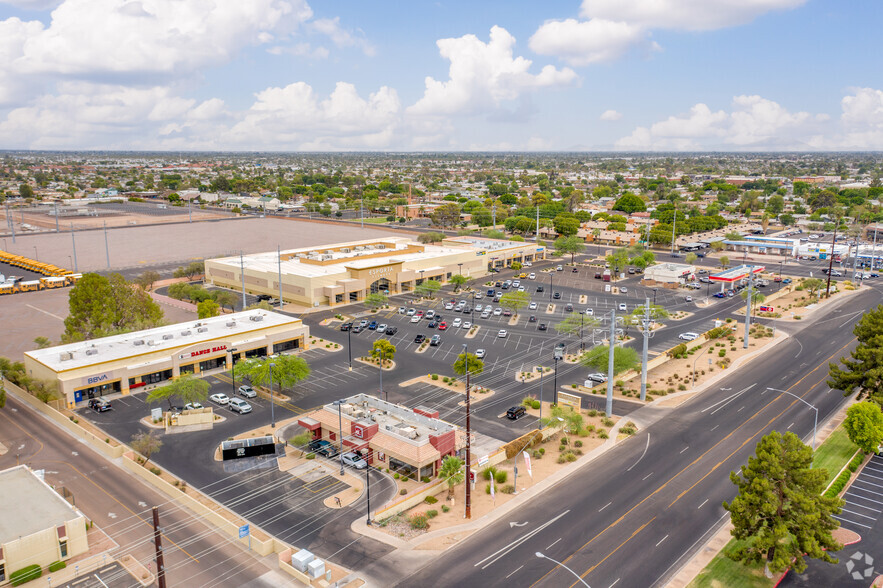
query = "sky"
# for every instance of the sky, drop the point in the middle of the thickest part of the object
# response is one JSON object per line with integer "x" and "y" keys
{"x": 483, "y": 75}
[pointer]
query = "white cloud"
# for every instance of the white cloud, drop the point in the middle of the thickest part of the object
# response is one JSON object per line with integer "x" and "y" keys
{"x": 610, "y": 115}
{"x": 583, "y": 43}
{"x": 300, "y": 50}
{"x": 754, "y": 123}
{"x": 691, "y": 15}
{"x": 294, "y": 117}
{"x": 33, "y": 4}
{"x": 341, "y": 37}
{"x": 482, "y": 76}
{"x": 612, "y": 27}
{"x": 862, "y": 119}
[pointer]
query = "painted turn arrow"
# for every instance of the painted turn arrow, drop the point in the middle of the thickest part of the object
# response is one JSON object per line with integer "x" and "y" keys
{"x": 511, "y": 524}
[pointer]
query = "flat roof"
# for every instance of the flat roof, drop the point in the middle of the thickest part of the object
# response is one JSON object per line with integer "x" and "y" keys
{"x": 760, "y": 244}
{"x": 735, "y": 273}
{"x": 30, "y": 506}
{"x": 84, "y": 353}
{"x": 392, "y": 418}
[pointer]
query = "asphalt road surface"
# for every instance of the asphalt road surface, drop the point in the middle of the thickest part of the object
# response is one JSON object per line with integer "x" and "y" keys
{"x": 631, "y": 517}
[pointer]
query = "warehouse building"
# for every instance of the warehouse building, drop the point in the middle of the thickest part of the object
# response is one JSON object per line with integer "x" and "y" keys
{"x": 405, "y": 440}
{"x": 349, "y": 272}
{"x": 143, "y": 360}
{"x": 37, "y": 525}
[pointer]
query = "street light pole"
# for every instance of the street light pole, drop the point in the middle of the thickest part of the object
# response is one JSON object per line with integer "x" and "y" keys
{"x": 541, "y": 556}
{"x": 645, "y": 330}
{"x": 340, "y": 431}
{"x": 468, "y": 513}
{"x": 550, "y": 286}
{"x": 555, "y": 382}
{"x": 540, "y": 422}
{"x": 272, "y": 404}
{"x": 368, "y": 492}
{"x": 233, "y": 368}
{"x": 349, "y": 345}
{"x": 612, "y": 349}
{"x": 654, "y": 296}
{"x": 382, "y": 395}
{"x": 815, "y": 423}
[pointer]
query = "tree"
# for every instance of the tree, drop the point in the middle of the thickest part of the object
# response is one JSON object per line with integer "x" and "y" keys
{"x": 569, "y": 246}
{"x": 376, "y": 300}
{"x": 780, "y": 511}
{"x": 102, "y": 306}
{"x": 458, "y": 280}
{"x": 42, "y": 342}
{"x": 288, "y": 370}
{"x": 431, "y": 237}
{"x": 864, "y": 425}
{"x": 690, "y": 258}
{"x": 428, "y": 288}
{"x": 813, "y": 286}
{"x": 566, "y": 224}
{"x": 629, "y": 203}
{"x": 146, "y": 444}
{"x": 225, "y": 298}
{"x": 717, "y": 245}
{"x": 756, "y": 297}
{"x": 188, "y": 388}
{"x": 446, "y": 215}
{"x": 864, "y": 370}
{"x": 25, "y": 191}
{"x": 574, "y": 322}
{"x": 383, "y": 347}
{"x": 515, "y": 301}
{"x": 452, "y": 472}
{"x": 618, "y": 260}
{"x": 262, "y": 305}
{"x": 475, "y": 365}
{"x": 147, "y": 279}
{"x": 190, "y": 271}
{"x": 208, "y": 308}
{"x": 495, "y": 234}
{"x": 724, "y": 261}
{"x": 775, "y": 205}
{"x": 624, "y": 358}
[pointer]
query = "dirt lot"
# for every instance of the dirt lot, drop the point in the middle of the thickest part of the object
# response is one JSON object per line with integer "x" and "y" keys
{"x": 146, "y": 246}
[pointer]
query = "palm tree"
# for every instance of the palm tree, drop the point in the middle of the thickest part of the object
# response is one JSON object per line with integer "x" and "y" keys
{"x": 451, "y": 471}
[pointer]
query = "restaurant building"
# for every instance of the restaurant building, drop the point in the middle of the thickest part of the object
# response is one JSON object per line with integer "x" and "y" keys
{"x": 405, "y": 440}
{"x": 348, "y": 272}
{"x": 143, "y": 360}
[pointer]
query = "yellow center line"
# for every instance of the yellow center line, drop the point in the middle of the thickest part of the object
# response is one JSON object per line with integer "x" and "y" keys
{"x": 591, "y": 569}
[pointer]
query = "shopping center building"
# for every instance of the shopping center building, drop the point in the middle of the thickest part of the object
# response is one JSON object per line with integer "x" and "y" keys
{"x": 405, "y": 440}
{"x": 348, "y": 272}
{"x": 143, "y": 360}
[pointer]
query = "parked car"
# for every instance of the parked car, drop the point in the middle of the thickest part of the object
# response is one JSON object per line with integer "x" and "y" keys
{"x": 346, "y": 326}
{"x": 574, "y": 270}
{"x": 532, "y": 318}
{"x": 498, "y": 311}
{"x": 402, "y": 310}
{"x": 193, "y": 406}
{"x": 516, "y": 412}
{"x": 597, "y": 275}
{"x": 540, "y": 289}
{"x": 220, "y": 398}
{"x": 622, "y": 307}
{"x": 381, "y": 328}
{"x": 429, "y": 314}
{"x": 568, "y": 307}
{"x": 559, "y": 268}
{"x": 449, "y": 306}
{"x": 507, "y": 312}
{"x": 435, "y": 341}
{"x": 323, "y": 447}
{"x": 354, "y": 461}
{"x": 239, "y": 405}
{"x": 541, "y": 327}
{"x": 624, "y": 290}
{"x": 480, "y": 353}
{"x": 688, "y": 299}
{"x": 420, "y": 338}
{"x": 416, "y": 319}
{"x": 456, "y": 324}
{"x": 411, "y": 312}
{"x": 442, "y": 326}
{"x": 432, "y": 324}
{"x": 532, "y": 276}
{"x": 502, "y": 334}
{"x": 590, "y": 312}
{"x": 358, "y": 329}
{"x": 99, "y": 405}
{"x": 392, "y": 330}
{"x": 688, "y": 336}
{"x": 532, "y": 306}
{"x": 363, "y": 323}
{"x": 247, "y": 391}
{"x": 557, "y": 295}
{"x": 597, "y": 377}
{"x": 466, "y": 325}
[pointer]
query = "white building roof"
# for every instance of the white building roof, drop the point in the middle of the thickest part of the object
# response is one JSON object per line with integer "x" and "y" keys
{"x": 31, "y": 505}
{"x": 84, "y": 353}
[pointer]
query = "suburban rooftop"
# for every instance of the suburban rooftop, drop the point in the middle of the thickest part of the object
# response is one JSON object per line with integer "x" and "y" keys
{"x": 391, "y": 417}
{"x": 31, "y": 505}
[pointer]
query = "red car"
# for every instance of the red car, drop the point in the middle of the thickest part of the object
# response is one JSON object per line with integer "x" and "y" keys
{"x": 442, "y": 326}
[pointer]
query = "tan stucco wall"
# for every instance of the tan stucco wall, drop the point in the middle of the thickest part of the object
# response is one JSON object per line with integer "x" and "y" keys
{"x": 42, "y": 547}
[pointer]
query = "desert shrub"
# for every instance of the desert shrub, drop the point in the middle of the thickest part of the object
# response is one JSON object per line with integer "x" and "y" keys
{"x": 577, "y": 443}
{"x": 435, "y": 377}
{"x": 419, "y": 520}
{"x": 430, "y": 500}
{"x": 402, "y": 492}
{"x": 431, "y": 514}
{"x": 594, "y": 412}
{"x": 489, "y": 471}
{"x": 26, "y": 574}
{"x": 626, "y": 430}
{"x": 396, "y": 476}
{"x": 508, "y": 489}
{"x": 310, "y": 456}
{"x": 57, "y": 565}
{"x": 445, "y": 508}
{"x": 603, "y": 435}
{"x": 501, "y": 477}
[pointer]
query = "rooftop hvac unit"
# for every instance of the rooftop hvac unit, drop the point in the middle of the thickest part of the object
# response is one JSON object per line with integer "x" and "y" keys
{"x": 329, "y": 251}
{"x": 167, "y": 337}
{"x": 231, "y": 323}
{"x": 409, "y": 432}
{"x": 67, "y": 355}
{"x": 346, "y": 408}
{"x": 151, "y": 343}
{"x": 345, "y": 250}
{"x": 359, "y": 414}
{"x": 359, "y": 248}
{"x": 202, "y": 329}
{"x": 301, "y": 255}
{"x": 326, "y": 257}
{"x": 186, "y": 333}
{"x": 138, "y": 342}
{"x": 256, "y": 318}
{"x": 381, "y": 246}
{"x": 369, "y": 247}
{"x": 91, "y": 351}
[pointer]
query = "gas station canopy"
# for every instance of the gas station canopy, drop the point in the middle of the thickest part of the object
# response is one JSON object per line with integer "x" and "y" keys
{"x": 734, "y": 274}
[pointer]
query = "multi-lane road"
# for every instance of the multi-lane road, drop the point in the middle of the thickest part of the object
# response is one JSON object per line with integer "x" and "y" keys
{"x": 633, "y": 515}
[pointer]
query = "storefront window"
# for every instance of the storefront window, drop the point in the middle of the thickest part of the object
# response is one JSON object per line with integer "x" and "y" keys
{"x": 187, "y": 369}
{"x": 401, "y": 467}
{"x": 286, "y": 346}
{"x": 157, "y": 377}
{"x": 101, "y": 390}
{"x": 211, "y": 364}
{"x": 259, "y": 352}
{"x": 338, "y": 298}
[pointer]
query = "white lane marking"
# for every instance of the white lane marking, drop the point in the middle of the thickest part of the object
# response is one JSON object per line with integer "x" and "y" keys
{"x": 714, "y": 427}
{"x": 605, "y": 506}
{"x": 647, "y": 446}
{"x": 701, "y": 505}
{"x": 741, "y": 409}
{"x": 661, "y": 540}
{"x": 514, "y": 544}
{"x": 728, "y": 399}
{"x": 685, "y": 448}
{"x": 553, "y": 543}
{"x": 614, "y": 583}
{"x": 791, "y": 425}
{"x": 648, "y": 475}
{"x": 851, "y": 522}
{"x": 45, "y": 312}
{"x": 515, "y": 570}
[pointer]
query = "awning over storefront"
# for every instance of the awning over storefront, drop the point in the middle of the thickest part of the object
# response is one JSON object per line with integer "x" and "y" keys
{"x": 309, "y": 424}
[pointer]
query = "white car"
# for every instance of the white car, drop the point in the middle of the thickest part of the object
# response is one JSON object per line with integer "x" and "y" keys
{"x": 466, "y": 325}
{"x": 239, "y": 405}
{"x": 381, "y": 328}
{"x": 559, "y": 268}
{"x": 219, "y": 398}
{"x": 415, "y": 319}
{"x": 521, "y": 289}
{"x": 411, "y": 312}
{"x": 688, "y": 336}
{"x": 402, "y": 310}
{"x": 624, "y": 290}
{"x": 247, "y": 391}
{"x": 516, "y": 283}
{"x": 622, "y": 306}
{"x": 502, "y": 334}
{"x": 498, "y": 311}
{"x": 527, "y": 264}
{"x": 449, "y": 306}
{"x": 192, "y": 406}
{"x": 532, "y": 306}
{"x": 479, "y": 308}
{"x": 479, "y": 353}
{"x": 532, "y": 276}
{"x": 353, "y": 460}
{"x": 456, "y": 324}
{"x": 429, "y": 314}
{"x": 597, "y": 378}
{"x": 590, "y": 312}
{"x": 486, "y": 314}
{"x": 478, "y": 296}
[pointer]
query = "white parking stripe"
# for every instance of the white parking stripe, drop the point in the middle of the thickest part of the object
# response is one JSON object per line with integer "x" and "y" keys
{"x": 851, "y": 522}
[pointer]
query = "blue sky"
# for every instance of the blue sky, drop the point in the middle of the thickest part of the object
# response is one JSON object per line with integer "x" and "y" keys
{"x": 290, "y": 75}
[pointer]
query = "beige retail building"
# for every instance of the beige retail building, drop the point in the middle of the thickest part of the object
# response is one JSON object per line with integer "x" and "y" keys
{"x": 348, "y": 272}
{"x": 37, "y": 525}
{"x": 143, "y": 360}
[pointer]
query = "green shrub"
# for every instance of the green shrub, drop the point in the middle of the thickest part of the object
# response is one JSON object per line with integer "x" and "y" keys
{"x": 626, "y": 430}
{"x": 445, "y": 508}
{"x": 500, "y": 477}
{"x": 607, "y": 422}
{"x": 489, "y": 471}
{"x": 603, "y": 435}
{"x": 542, "y": 451}
{"x": 856, "y": 462}
{"x": 403, "y": 492}
{"x": 578, "y": 443}
{"x": 431, "y": 514}
{"x": 445, "y": 379}
{"x": 838, "y": 484}
{"x": 594, "y": 412}
{"x": 722, "y": 353}
{"x": 396, "y": 476}
{"x": 156, "y": 471}
{"x": 430, "y": 500}
{"x": 508, "y": 489}
{"x": 26, "y": 574}
{"x": 57, "y": 565}
{"x": 425, "y": 479}
{"x": 434, "y": 376}
{"x": 419, "y": 521}
{"x": 310, "y": 456}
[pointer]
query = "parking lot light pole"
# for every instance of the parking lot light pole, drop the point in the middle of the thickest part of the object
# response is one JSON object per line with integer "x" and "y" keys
{"x": 368, "y": 492}
{"x": 340, "y": 430}
{"x": 233, "y": 368}
{"x": 610, "y": 354}
{"x": 272, "y": 404}
{"x": 550, "y": 286}
{"x": 556, "y": 357}
{"x": 815, "y": 423}
{"x": 540, "y": 422}
{"x": 654, "y": 296}
{"x": 382, "y": 395}
{"x": 468, "y": 513}
{"x": 349, "y": 344}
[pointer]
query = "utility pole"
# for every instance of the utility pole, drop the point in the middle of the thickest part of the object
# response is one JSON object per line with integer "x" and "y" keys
{"x": 242, "y": 275}
{"x": 157, "y": 541}
{"x": 11, "y": 223}
{"x": 645, "y": 330}
{"x": 609, "y": 408}
{"x": 537, "y": 236}
{"x": 56, "y": 217}
{"x": 106, "y": 248}
{"x": 468, "y": 514}
{"x": 647, "y": 239}
{"x": 74, "y": 243}
{"x": 831, "y": 261}
{"x": 279, "y": 256}
{"x": 494, "y": 215}
{"x": 674, "y": 224}
{"x": 748, "y": 305}
{"x": 855, "y": 263}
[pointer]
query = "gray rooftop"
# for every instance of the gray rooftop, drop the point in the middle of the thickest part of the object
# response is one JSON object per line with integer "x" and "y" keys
{"x": 31, "y": 505}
